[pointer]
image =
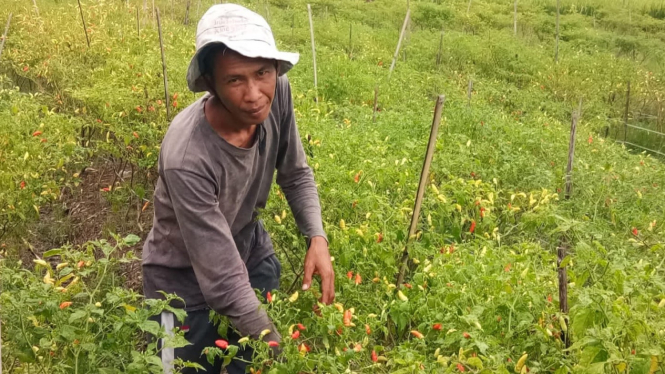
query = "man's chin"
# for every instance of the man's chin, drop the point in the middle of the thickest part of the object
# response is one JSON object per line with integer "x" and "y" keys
{"x": 250, "y": 119}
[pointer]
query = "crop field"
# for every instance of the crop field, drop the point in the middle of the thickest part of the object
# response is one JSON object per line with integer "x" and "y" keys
{"x": 83, "y": 113}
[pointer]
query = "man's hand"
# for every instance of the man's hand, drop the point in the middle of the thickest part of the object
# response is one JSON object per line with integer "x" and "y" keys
{"x": 317, "y": 261}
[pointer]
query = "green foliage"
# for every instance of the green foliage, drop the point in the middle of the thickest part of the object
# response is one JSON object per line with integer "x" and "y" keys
{"x": 76, "y": 317}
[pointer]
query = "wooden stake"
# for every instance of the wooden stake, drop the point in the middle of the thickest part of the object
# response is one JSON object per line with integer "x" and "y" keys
{"x": 4, "y": 37}
{"x": 376, "y": 102}
{"x": 424, "y": 174}
{"x": 85, "y": 29}
{"x": 166, "y": 81}
{"x": 438, "y": 54}
{"x": 311, "y": 33}
{"x": 468, "y": 92}
{"x": 187, "y": 13}
{"x": 515, "y": 19}
{"x": 563, "y": 286}
{"x": 350, "y": 40}
{"x": 267, "y": 11}
{"x": 138, "y": 23}
{"x": 625, "y": 113}
{"x": 399, "y": 42}
{"x": 556, "y": 50}
{"x": 571, "y": 150}
{"x": 34, "y": 2}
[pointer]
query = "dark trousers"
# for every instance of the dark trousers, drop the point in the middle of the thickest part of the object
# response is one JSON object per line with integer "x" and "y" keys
{"x": 202, "y": 333}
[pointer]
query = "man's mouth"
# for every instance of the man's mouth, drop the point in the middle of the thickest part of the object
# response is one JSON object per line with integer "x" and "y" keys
{"x": 253, "y": 112}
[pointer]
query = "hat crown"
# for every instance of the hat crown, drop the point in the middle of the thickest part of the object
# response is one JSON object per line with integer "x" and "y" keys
{"x": 231, "y": 22}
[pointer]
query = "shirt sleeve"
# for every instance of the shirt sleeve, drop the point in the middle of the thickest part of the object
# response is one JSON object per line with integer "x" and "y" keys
{"x": 219, "y": 270}
{"x": 294, "y": 176}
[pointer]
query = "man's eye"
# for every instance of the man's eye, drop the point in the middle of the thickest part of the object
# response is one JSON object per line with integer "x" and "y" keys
{"x": 262, "y": 72}
{"x": 233, "y": 80}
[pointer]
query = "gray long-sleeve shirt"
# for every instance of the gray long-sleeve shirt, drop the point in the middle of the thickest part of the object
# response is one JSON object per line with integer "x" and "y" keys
{"x": 206, "y": 204}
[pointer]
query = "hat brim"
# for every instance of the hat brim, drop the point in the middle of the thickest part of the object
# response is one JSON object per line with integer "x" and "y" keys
{"x": 286, "y": 61}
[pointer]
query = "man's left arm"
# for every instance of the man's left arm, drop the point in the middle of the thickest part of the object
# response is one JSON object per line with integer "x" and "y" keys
{"x": 296, "y": 179}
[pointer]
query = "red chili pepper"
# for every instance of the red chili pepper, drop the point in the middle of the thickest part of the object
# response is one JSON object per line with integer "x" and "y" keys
{"x": 408, "y": 285}
{"x": 301, "y": 327}
{"x": 473, "y": 227}
{"x": 460, "y": 367}
{"x": 375, "y": 357}
{"x": 368, "y": 330}
{"x": 65, "y": 304}
{"x": 22, "y": 185}
{"x": 635, "y": 232}
{"x": 349, "y": 274}
{"x": 347, "y": 318}
{"x": 36, "y": 133}
{"x": 466, "y": 335}
{"x": 221, "y": 343}
{"x": 359, "y": 279}
{"x": 295, "y": 335}
{"x": 273, "y": 343}
{"x": 379, "y": 238}
{"x": 269, "y": 297}
{"x": 437, "y": 326}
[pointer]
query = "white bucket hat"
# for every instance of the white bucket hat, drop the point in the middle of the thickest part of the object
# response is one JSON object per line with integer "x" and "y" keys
{"x": 242, "y": 31}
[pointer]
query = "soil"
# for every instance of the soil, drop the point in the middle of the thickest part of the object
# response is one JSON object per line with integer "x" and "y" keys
{"x": 87, "y": 212}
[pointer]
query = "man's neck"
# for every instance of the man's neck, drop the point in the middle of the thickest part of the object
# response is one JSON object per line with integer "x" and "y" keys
{"x": 225, "y": 126}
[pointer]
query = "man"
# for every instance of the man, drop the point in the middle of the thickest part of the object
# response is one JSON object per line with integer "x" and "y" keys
{"x": 216, "y": 166}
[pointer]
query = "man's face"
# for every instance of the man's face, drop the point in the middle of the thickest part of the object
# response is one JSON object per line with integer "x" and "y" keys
{"x": 245, "y": 86}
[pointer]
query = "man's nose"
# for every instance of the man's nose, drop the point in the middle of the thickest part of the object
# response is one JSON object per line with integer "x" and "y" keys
{"x": 253, "y": 92}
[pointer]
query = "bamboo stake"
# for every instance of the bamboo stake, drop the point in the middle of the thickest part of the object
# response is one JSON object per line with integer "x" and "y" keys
{"x": 468, "y": 92}
{"x": 85, "y": 29}
{"x": 431, "y": 145}
{"x": 166, "y": 81}
{"x": 571, "y": 151}
{"x": 399, "y": 42}
{"x": 376, "y": 102}
{"x": 34, "y": 2}
{"x": 515, "y": 19}
{"x": 311, "y": 33}
{"x": 4, "y": 37}
{"x": 625, "y": 113}
{"x": 556, "y": 51}
{"x": 438, "y": 54}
